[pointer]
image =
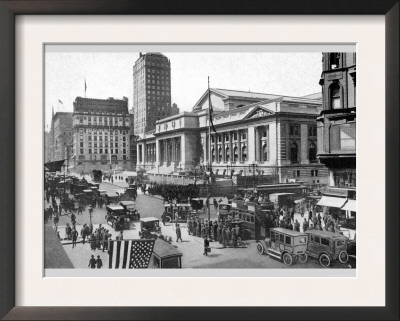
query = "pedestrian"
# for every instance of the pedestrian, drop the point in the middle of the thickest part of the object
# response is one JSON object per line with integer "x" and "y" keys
{"x": 99, "y": 262}
{"x": 73, "y": 219}
{"x": 92, "y": 262}
{"x": 56, "y": 220}
{"x": 305, "y": 225}
{"x": 60, "y": 209}
{"x": 224, "y": 236}
{"x": 194, "y": 227}
{"x": 178, "y": 233}
{"x": 228, "y": 235}
{"x": 105, "y": 240}
{"x": 233, "y": 237}
{"x": 206, "y": 246}
{"x": 68, "y": 231}
{"x": 84, "y": 232}
{"x": 74, "y": 235}
{"x": 163, "y": 217}
{"x": 189, "y": 224}
{"x": 93, "y": 242}
{"x": 121, "y": 235}
{"x": 297, "y": 226}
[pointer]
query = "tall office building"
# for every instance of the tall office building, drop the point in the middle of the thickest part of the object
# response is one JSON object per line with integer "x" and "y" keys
{"x": 151, "y": 91}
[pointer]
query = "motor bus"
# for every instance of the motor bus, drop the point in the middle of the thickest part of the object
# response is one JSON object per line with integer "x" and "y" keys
{"x": 256, "y": 218}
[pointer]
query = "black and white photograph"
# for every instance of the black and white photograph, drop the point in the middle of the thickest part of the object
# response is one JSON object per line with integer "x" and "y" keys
{"x": 198, "y": 160}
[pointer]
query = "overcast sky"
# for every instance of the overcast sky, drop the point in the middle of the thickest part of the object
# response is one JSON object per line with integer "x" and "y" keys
{"x": 109, "y": 74}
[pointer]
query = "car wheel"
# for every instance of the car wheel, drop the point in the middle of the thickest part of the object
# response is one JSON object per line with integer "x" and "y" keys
{"x": 287, "y": 259}
{"x": 343, "y": 257}
{"x": 168, "y": 219}
{"x": 260, "y": 248}
{"x": 324, "y": 260}
{"x": 303, "y": 258}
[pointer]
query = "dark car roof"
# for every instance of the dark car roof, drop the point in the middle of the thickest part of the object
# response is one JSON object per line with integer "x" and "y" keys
{"x": 287, "y": 232}
{"x": 331, "y": 235}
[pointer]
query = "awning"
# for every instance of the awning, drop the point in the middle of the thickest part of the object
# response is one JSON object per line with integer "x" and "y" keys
{"x": 300, "y": 200}
{"x": 331, "y": 201}
{"x": 350, "y": 205}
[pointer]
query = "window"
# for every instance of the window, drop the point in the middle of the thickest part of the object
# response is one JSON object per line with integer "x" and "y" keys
{"x": 347, "y": 138}
{"x": 340, "y": 243}
{"x": 294, "y": 130}
{"x": 101, "y": 151}
{"x": 294, "y": 153}
{"x": 325, "y": 241}
{"x": 213, "y": 154}
{"x": 302, "y": 240}
{"x": 334, "y": 59}
{"x": 220, "y": 154}
{"x": 312, "y": 131}
{"x": 288, "y": 240}
{"x": 244, "y": 135}
{"x": 335, "y": 96}
{"x": 235, "y": 154}
{"x": 81, "y": 151}
{"x": 90, "y": 150}
{"x": 81, "y": 144}
{"x": 316, "y": 239}
{"x": 244, "y": 154}
{"x": 227, "y": 154}
{"x": 264, "y": 153}
{"x": 281, "y": 238}
{"x": 312, "y": 152}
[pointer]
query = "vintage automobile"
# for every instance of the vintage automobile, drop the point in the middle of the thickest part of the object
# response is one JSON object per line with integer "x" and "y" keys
{"x": 177, "y": 213}
{"x": 327, "y": 247}
{"x": 111, "y": 198}
{"x": 117, "y": 218}
{"x": 165, "y": 256}
{"x": 286, "y": 245}
{"x": 149, "y": 228}
{"x": 130, "y": 210}
{"x": 131, "y": 193}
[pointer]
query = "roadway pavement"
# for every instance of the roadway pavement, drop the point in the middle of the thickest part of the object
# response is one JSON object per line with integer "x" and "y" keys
{"x": 191, "y": 247}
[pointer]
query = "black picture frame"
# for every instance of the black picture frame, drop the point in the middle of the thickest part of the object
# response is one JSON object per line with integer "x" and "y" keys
{"x": 9, "y": 9}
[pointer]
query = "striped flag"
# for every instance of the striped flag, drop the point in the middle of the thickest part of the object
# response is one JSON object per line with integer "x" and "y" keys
{"x": 130, "y": 254}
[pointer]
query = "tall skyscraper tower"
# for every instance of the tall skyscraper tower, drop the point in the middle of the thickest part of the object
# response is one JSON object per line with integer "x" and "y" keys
{"x": 151, "y": 91}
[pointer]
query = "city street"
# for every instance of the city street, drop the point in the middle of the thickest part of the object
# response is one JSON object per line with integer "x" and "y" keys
{"x": 191, "y": 247}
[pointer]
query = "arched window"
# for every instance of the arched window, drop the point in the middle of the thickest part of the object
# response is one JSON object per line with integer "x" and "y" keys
{"x": 213, "y": 154}
{"x": 293, "y": 153}
{"x": 227, "y": 154}
{"x": 335, "y": 96}
{"x": 220, "y": 154}
{"x": 312, "y": 152}
{"x": 244, "y": 154}
{"x": 264, "y": 153}
{"x": 235, "y": 154}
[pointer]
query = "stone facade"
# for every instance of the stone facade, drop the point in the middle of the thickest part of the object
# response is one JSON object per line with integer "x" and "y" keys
{"x": 337, "y": 121}
{"x": 101, "y": 134}
{"x": 151, "y": 91}
{"x": 60, "y": 136}
{"x": 274, "y": 136}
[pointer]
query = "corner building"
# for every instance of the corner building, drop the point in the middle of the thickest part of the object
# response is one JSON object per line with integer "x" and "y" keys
{"x": 101, "y": 134}
{"x": 337, "y": 131}
{"x": 151, "y": 91}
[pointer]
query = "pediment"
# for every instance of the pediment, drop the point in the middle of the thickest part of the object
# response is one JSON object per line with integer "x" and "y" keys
{"x": 259, "y": 112}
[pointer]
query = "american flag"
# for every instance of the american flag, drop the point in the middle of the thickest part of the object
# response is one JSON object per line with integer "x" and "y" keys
{"x": 130, "y": 254}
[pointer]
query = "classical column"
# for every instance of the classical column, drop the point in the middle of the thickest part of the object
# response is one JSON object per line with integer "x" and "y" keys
{"x": 231, "y": 157}
{"x": 216, "y": 147}
{"x": 239, "y": 138}
{"x": 257, "y": 143}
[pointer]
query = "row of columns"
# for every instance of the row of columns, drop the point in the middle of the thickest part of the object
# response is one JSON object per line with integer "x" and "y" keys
{"x": 170, "y": 150}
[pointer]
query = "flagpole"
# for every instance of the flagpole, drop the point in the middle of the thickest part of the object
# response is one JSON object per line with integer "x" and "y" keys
{"x": 209, "y": 155}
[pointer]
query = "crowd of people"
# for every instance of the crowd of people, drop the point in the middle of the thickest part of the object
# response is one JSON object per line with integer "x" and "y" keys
{"x": 226, "y": 233}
